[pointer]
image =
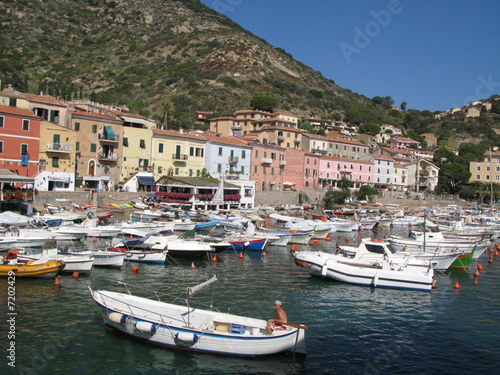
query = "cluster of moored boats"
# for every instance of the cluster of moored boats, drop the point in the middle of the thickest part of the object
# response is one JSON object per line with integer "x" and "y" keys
{"x": 435, "y": 242}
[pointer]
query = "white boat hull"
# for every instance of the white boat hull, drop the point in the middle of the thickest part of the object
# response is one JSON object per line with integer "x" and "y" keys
{"x": 180, "y": 327}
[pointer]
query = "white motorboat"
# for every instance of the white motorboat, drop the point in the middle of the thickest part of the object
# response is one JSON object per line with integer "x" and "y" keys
{"x": 372, "y": 248}
{"x": 105, "y": 258}
{"x": 7, "y": 243}
{"x": 369, "y": 265}
{"x": 194, "y": 329}
{"x": 74, "y": 262}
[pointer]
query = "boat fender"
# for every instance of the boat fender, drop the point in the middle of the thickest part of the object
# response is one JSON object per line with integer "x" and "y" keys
{"x": 146, "y": 326}
{"x": 323, "y": 270}
{"x": 117, "y": 318}
{"x": 185, "y": 339}
{"x": 375, "y": 280}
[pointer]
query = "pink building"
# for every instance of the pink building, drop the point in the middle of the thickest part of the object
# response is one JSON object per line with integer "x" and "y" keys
{"x": 332, "y": 169}
{"x": 301, "y": 169}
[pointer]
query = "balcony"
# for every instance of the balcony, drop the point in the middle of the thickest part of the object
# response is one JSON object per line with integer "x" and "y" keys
{"x": 266, "y": 161}
{"x": 424, "y": 173}
{"x": 233, "y": 160}
{"x": 111, "y": 138}
{"x": 235, "y": 127}
{"x": 107, "y": 156}
{"x": 282, "y": 163}
{"x": 179, "y": 158}
{"x": 297, "y": 140}
{"x": 58, "y": 148}
{"x": 281, "y": 138}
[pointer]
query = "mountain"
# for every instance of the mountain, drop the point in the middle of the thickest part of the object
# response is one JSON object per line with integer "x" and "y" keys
{"x": 167, "y": 59}
{"x": 158, "y": 55}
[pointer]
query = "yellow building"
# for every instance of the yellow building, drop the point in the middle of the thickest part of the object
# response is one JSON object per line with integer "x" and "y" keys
{"x": 179, "y": 154}
{"x": 488, "y": 170}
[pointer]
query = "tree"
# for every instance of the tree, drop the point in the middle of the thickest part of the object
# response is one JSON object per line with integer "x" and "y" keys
{"x": 403, "y": 106}
{"x": 370, "y": 127}
{"x": 366, "y": 192}
{"x": 264, "y": 103}
{"x": 333, "y": 197}
{"x": 452, "y": 175}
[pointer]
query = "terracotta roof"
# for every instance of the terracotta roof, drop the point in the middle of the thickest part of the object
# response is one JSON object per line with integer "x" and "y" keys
{"x": 225, "y": 140}
{"x": 93, "y": 115}
{"x": 17, "y": 112}
{"x": 340, "y": 139}
{"x": 336, "y": 158}
{"x": 405, "y": 139}
{"x": 175, "y": 133}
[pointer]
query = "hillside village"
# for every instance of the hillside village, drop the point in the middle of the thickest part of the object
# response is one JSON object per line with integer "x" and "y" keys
{"x": 79, "y": 144}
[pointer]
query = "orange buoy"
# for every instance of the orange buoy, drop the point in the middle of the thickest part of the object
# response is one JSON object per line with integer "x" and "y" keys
{"x": 347, "y": 239}
{"x": 490, "y": 260}
{"x": 75, "y": 275}
{"x": 457, "y": 285}
{"x": 192, "y": 265}
{"x": 479, "y": 267}
{"x": 477, "y": 273}
{"x": 131, "y": 236}
{"x": 211, "y": 232}
{"x": 264, "y": 254}
{"x": 328, "y": 239}
{"x": 294, "y": 247}
{"x": 433, "y": 285}
{"x": 94, "y": 239}
{"x": 496, "y": 253}
{"x": 214, "y": 258}
{"x": 135, "y": 269}
{"x": 316, "y": 241}
{"x": 310, "y": 243}
{"x": 240, "y": 255}
{"x": 475, "y": 281}
{"x": 56, "y": 281}
{"x": 496, "y": 245}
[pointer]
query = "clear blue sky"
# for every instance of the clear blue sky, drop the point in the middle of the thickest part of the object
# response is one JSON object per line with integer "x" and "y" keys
{"x": 432, "y": 54}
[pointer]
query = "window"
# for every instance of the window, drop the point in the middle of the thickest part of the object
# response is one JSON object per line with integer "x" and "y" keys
{"x": 255, "y": 169}
{"x": 219, "y": 168}
{"x": 26, "y": 124}
{"x": 77, "y": 146}
{"x": 77, "y": 126}
{"x": 191, "y": 151}
{"x": 160, "y": 148}
{"x": 142, "y": 143}
{"x": 478, "y": 177}
{"x": 220, "y": 151}
{"x": 93, "y": 147}
{"x": 478, "y": 168}
{"x": 12, "y": 102}
{"x": 94, "y": 128}
{"x": 176, "y": 171}
{"x": 256, "y": 153}
{"x": 55, "y": 162}
{"x": 24, "y": 149}
{"x": 2, "y": 121}
{"x": 243, "y": 154}
{"x": 1, "y": 146}
{"x": 198, "y": 174}
{"x": 190, "y": 173}
{"x": 125, "y": 142}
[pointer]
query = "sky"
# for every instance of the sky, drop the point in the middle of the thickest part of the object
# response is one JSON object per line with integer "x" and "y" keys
{"x": 432, "y": 54}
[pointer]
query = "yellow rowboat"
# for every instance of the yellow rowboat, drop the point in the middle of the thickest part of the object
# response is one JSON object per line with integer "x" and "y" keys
{"x": 32, "y": 269}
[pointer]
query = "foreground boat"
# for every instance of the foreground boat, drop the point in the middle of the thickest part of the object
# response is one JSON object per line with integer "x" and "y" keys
{"x": 377, "y": 267}
{"x": 73, "y": 262}
{"x": 193, "y": 329}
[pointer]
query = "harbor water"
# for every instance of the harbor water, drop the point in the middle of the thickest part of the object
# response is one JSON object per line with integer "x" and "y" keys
{"x": 351, "y": 329}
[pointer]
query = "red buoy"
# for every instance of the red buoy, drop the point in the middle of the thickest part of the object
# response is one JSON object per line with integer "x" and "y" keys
{"x": 479, "y": 267}
{"x": 477, "y": 273}
{"x": 433, "y": 285}
{"x": 475, "y": 281}
{"x": 75, "y": 275}
{"x": 457, "y": 285}
{"x": 56, "y": 281}
{"x": 264, "y": 254}
{"x": 135, "y": 269}
{"x": 214, "y": 258}
{"x": 328, "y": 239}
{"x": 240, "y": 255}
{"x": 192, "y": 265}
{"x": 490, "y": 260}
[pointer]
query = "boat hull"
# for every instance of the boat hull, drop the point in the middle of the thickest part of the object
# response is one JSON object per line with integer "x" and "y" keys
{"x": 371, "y": 274}
{"x": 47, "y": 269}
{"x": 157, "y": 257}
{"x": 204, "y": 331}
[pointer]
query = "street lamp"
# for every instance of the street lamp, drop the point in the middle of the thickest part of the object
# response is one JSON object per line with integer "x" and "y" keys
{"x": 491, "y": 178}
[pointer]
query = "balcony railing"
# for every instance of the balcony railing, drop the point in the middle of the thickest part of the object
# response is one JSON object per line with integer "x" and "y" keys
{"x": 282, "y": 163}
{"x": 297, "y": 140}
{"x": 235, "y": 127}
{"x": 266, "y": 160}
{"x": 109, "y": 138}
{"x": 58, "y": 147}
{"x": 281, "y": 138}
{"x": 179, "y": 157}
{"x": 233, "y": 160}
{"x": 105, "y": 156}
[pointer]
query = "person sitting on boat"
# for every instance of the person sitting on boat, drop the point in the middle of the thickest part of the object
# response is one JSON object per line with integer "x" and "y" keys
{"x": 281, "y": 318}
{"x": 11, "y": 257}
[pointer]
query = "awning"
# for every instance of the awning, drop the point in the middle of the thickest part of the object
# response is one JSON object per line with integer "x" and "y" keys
{"x": 109, "y": 132}
{"x": 134, "y": 120}
{"x": 146, "y": 180}
{"x": 288, "y": 183}
{"x": 8, "y": 176}
{"x": 89, "y": 178}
